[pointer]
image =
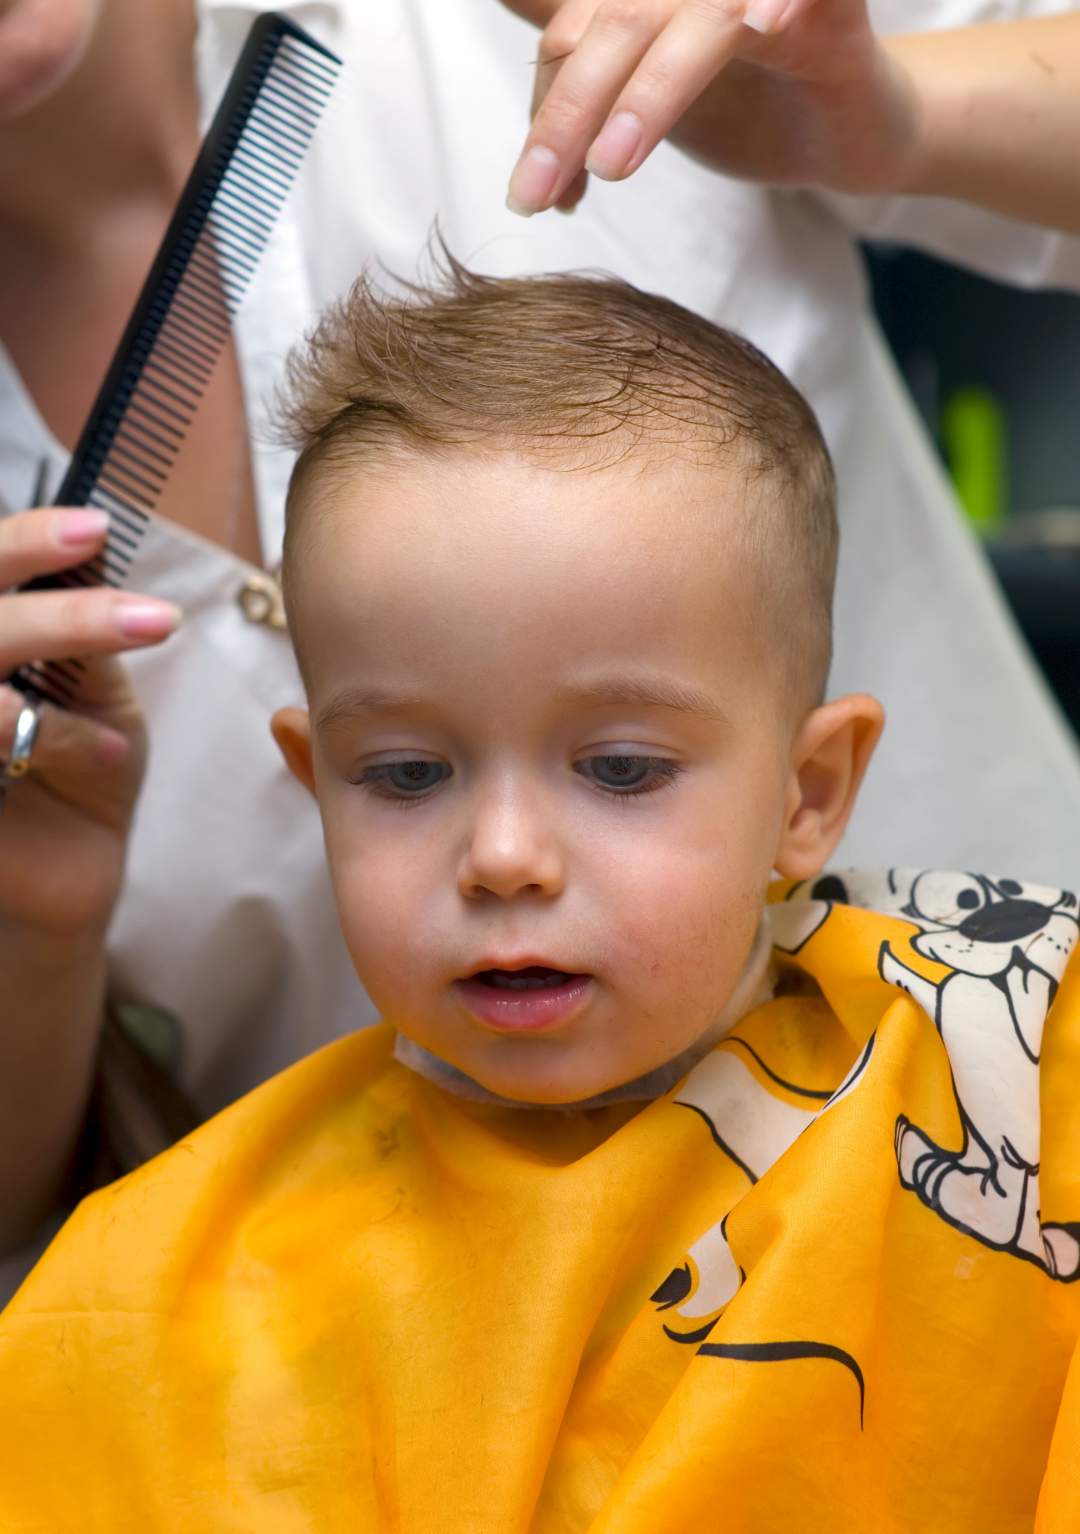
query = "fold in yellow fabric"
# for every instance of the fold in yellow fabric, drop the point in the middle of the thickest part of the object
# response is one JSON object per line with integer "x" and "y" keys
{"x": 826, "y": 1283}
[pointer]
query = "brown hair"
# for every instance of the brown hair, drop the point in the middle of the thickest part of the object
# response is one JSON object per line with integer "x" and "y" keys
{"x": 583, "y": 370}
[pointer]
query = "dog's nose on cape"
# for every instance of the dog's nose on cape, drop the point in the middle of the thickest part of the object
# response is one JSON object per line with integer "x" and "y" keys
{"x": 1005, "y": 921}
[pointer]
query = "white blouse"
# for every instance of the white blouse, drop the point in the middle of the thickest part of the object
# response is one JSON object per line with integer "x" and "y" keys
{"x": 226, "y": 918}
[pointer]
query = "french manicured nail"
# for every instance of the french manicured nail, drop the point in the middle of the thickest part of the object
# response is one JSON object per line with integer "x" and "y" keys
{"x": 71, "y": 528}
{"x": 533, "y": 181}
{"x": 139, "y": 619}
{"x": 765, "y": 15}
{"x": 615, "y": 147}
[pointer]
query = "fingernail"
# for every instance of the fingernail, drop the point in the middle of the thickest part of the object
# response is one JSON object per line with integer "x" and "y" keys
{"x": 139, "y": 619}
{"x": 764, "y": 15}
{"x": 615, "y": 147}
{"x": 74, "y": 527}
{"x": 533, "y": 181}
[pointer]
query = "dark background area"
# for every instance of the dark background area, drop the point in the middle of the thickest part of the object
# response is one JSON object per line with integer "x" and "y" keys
{"x": 995, "y": 372}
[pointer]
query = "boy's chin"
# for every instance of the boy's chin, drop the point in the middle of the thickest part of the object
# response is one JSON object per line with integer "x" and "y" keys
{"x": 550, "y": 1084}
{"x": 521, "y": 1073}
{"x": 528, "y": 1093}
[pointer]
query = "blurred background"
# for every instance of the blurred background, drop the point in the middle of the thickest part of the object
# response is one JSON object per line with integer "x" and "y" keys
{"x": 994, "y": 372}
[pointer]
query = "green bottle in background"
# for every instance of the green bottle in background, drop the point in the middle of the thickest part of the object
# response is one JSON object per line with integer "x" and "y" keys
{"x": 974, "y": 436}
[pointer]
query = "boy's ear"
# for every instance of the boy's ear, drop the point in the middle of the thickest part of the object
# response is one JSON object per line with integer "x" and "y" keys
{"x": 829, "y": 756}
{"x": 291, "y": 728}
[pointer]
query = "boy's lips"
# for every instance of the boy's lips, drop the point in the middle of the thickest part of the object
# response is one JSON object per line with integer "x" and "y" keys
{"x": 523, "y": 995}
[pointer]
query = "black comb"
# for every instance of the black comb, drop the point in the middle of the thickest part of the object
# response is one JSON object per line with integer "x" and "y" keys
{"x": 182, "y": 319}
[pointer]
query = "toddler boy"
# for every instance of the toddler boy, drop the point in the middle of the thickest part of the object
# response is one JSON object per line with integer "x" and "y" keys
{"x": 662, "y": 1199}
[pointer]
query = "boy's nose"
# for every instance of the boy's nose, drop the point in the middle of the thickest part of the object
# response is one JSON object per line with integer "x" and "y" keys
{"x": 510, "y": 851}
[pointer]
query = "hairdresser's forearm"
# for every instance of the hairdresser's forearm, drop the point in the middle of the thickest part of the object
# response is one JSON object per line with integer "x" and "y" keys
{"x": 51, "y": 1012}
{"x": 1000, "y": 110}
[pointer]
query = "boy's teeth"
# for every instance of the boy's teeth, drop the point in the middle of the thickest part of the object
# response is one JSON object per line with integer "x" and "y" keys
{"x": 506, "y": 981}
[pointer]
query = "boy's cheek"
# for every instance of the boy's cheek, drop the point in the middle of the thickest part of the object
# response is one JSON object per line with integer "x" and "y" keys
{"x": 380, "y": 897}
{"x": 695, "y": 955}
{"x": 378, "y": 952}
{"x": 691, "y": 929}
{"x": 351, "y": 837}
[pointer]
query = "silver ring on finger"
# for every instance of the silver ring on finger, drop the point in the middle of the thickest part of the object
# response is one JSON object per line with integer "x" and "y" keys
{"x": 22, "y": 746}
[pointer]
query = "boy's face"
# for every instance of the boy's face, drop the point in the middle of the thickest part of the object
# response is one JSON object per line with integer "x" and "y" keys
{"x": 481, "y": 638}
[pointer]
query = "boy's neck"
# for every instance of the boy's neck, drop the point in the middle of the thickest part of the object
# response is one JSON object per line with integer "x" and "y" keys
{"x": 754, "y": 987}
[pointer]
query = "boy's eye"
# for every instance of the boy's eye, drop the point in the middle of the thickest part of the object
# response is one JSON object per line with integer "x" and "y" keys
{"x": 402, "y": 780}
{"x": 630, "y": 774}
{"x": 620, "y": 776}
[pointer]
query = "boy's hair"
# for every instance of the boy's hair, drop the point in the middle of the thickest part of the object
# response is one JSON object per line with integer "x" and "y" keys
{"x": 581, "y": 371}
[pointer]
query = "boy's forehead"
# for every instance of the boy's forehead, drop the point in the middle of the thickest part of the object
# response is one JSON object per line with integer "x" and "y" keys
{"x": 502, "y": 567}
{"x": 648, "y": 517}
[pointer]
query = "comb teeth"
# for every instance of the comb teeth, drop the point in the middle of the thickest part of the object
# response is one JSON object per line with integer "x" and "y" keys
{"x": 184, "y": 314}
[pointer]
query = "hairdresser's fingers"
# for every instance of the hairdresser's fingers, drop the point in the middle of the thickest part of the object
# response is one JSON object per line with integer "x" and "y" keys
{"x": 574, "y": 16}
{"x": 573, "y": 193}
{"x": 626, "y": 81}
{"x": 78, "y": 621}
{"x": 586, "y": 54}
{"x": 88, "y": 759}
{"x": 539, "y": 12}
{"x": 701, "y": 39}
{"x": 42, "y": 542}
{"x": 564, "y": 24}
{"x": 64, "y": 828}
{"x": 66, "y": 742}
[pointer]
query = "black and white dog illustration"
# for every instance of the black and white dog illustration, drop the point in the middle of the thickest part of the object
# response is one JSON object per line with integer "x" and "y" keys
{"x": 753, "y": 1127}
{"x": 1006, "y": 946}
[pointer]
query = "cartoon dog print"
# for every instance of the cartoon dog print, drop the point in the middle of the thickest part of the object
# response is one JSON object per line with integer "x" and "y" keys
{"x": 753, "y": 1128}
{"x": 1006, "y": 946}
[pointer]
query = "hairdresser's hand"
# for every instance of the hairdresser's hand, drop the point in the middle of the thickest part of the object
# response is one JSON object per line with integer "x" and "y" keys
{"x": 64, "y": 830}
{"x": 789, "y": 92}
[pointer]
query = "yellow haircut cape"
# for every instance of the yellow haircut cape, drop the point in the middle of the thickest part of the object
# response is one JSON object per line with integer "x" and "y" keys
{"x": 824, "y": 1284}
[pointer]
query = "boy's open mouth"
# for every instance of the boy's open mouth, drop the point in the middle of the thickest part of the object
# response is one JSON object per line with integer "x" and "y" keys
{"x": 535, "y": 977}
{"x": 529, "y": 997}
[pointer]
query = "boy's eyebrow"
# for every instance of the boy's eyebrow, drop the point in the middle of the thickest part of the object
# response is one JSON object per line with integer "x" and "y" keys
{"x": 611, "y": 691}
{"x": 650, "y": 691}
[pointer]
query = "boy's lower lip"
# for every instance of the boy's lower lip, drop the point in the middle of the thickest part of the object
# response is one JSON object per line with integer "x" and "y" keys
{"x": 524, "y": 1011}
